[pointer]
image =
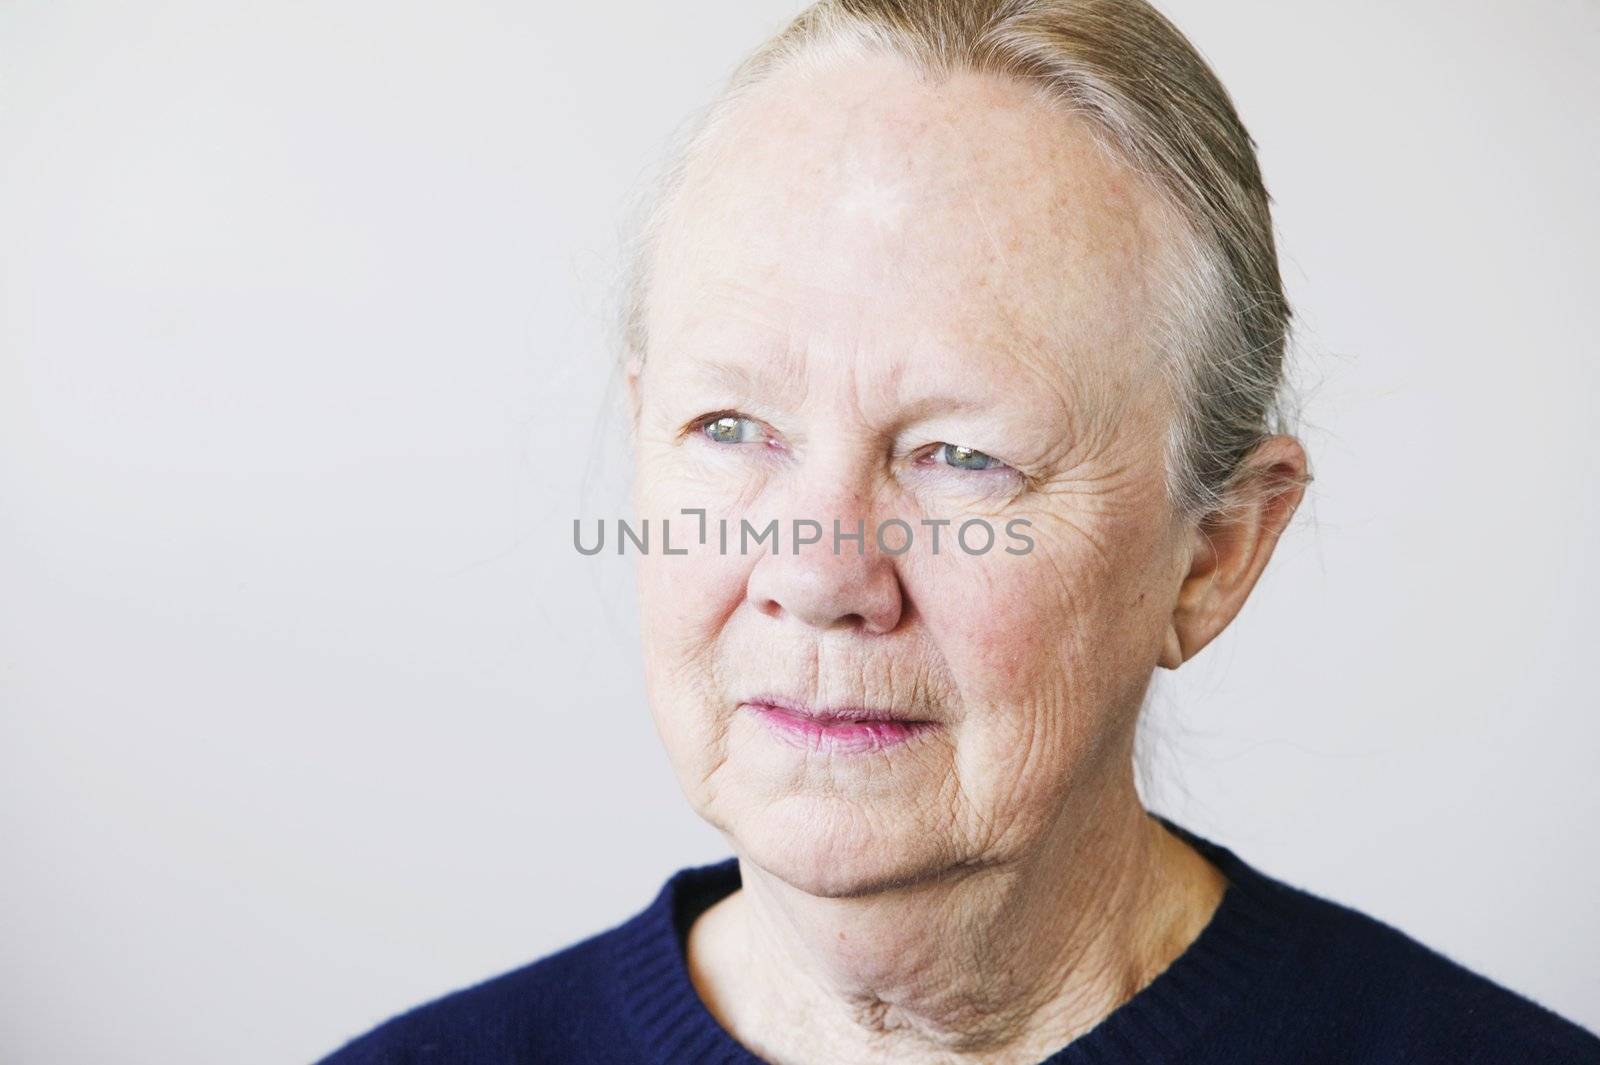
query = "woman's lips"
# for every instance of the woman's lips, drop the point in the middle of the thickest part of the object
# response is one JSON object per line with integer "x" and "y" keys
{"x": 843, "y": 731}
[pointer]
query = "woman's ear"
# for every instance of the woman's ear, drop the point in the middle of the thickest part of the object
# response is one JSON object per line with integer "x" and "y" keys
{"x": 1231, "y": 546}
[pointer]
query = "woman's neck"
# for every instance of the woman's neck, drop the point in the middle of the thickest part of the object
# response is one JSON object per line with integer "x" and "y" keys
{"x": 1002, "y": 963}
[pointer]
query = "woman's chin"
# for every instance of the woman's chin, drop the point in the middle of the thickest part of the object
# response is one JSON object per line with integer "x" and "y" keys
{"x": 826, "y": 847}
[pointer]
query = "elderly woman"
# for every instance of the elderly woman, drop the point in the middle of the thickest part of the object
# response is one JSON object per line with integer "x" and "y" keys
{"x": 1000, "y": 271}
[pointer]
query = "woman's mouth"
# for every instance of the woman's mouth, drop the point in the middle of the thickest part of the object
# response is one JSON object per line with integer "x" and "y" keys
{"x": 850, "y": 730}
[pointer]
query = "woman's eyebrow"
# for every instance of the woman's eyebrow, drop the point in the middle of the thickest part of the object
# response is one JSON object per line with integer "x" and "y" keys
{"x": 927, "y": 404}
{"x": 772, "y": 382}
{"x": 763, "y": 379}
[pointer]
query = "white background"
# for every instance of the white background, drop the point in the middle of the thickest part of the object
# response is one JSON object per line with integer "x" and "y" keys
{"x": 311, "y": 711}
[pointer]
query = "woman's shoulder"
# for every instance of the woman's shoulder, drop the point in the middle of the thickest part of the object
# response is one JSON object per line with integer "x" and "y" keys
{"x": 1362, "y": 989}
{"x": 1405, "y": 993}
{"x": 561, "y": 1006}
{"x": 483, "y": 1021}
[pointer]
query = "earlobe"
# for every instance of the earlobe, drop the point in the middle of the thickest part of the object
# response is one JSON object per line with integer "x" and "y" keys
{"x": 1182, "y": 637}
{"x": 1171, "y": 648}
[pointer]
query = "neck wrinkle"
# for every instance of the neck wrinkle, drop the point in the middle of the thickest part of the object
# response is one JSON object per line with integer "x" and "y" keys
{"x": 962, "y": 968}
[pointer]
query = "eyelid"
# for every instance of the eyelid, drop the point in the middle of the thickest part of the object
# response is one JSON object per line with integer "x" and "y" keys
{"x": 1000, "y": 465}
{"x": 698, "y": 424}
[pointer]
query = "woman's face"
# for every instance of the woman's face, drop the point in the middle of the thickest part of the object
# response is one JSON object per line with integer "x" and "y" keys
{"x": 864, "y": 270}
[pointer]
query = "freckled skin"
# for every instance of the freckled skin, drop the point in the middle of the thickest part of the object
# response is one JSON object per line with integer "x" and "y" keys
{"x": 880, "y": 267}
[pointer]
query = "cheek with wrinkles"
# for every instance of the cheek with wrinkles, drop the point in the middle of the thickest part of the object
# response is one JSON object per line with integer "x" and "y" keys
{"x": 685, "y": 601}
{"x": 1027, "y": 613}
{"x": 679, "y": 623}
{"x": 1043, "y": 684}
{"x": 683, "y": 597}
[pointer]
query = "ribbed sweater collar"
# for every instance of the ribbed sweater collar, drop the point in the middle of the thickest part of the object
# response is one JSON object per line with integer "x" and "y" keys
{"x": 1247, "y": 936}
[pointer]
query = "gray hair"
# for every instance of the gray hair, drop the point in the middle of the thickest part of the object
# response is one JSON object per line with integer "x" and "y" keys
{"x": 1153, "y": 104}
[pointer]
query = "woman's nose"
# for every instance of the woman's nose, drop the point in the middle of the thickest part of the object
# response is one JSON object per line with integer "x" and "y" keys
{"x": 855, "y": 586}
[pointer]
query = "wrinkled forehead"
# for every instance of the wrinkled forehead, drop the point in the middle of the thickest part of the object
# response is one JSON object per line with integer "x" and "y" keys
{"x": 860, "y": 203}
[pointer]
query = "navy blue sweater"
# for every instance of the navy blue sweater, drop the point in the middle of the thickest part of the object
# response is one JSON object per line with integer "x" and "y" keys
{"x": 1277, "y": 977}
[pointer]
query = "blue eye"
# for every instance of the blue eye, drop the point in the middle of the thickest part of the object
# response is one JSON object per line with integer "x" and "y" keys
{"x": 731, "y": 429}
{"x": 966, "y": 458}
